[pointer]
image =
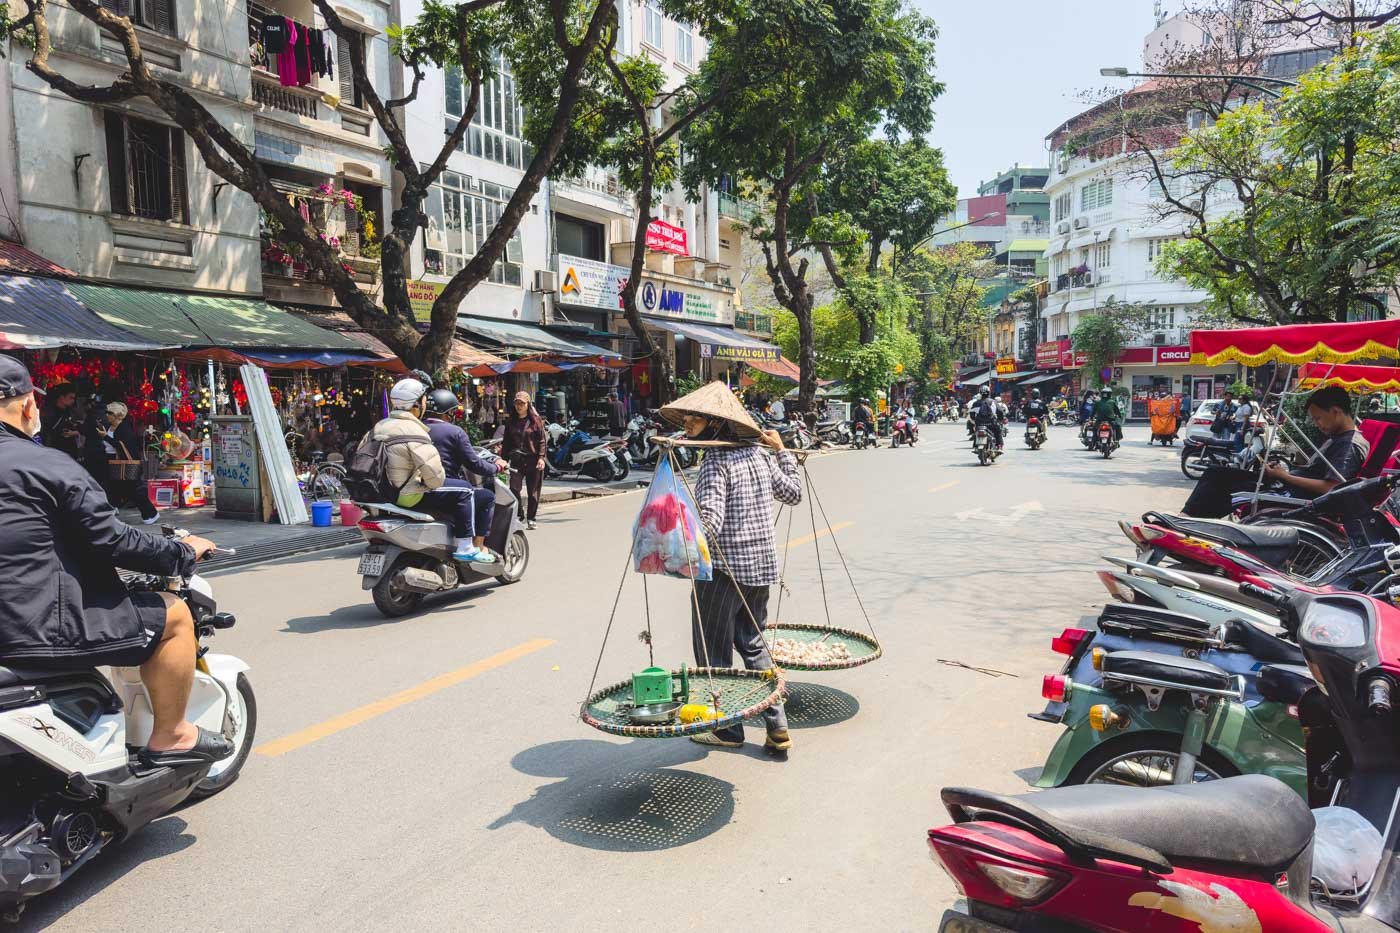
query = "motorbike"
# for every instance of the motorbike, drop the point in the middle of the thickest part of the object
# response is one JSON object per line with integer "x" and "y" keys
{"x": 1107, "y": 440}
{"x": 575, "y": 452}
{"x": 1035, "y": 432}
{"x": 861, "y": 437}
{"x": 1060, "y": 417}
{"x": 984, "y": 445}
{"x": 1197, "y": 456}
{"x": 1087, "y": 437}
{"x": 834, "y": 432}
{"x": 410, "y": 553}
{"x": 71, "y": 781}
{"x": 640, "y": 430}
{"x": 1171, "y": 859}
{"x": 905, "y": 431}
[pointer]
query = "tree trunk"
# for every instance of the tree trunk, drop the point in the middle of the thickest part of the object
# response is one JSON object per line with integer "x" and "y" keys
{"x": 806, "y": 350}
{"x": 665, "y": 390}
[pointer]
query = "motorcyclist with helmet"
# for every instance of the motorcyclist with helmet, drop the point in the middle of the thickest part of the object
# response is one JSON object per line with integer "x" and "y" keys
{"x": 990, "y": 412}
{"x": 862, "y": 416}
{"x": 1036, "y": 408}
{"x": 460, "y": 458}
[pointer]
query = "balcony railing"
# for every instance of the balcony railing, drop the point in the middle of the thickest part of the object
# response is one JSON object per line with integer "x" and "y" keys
{"x": 276, "y": 97}
{"x": 754, "y": 321}
{"x": 737, "y": 208}
{"x": 604, "y": 183}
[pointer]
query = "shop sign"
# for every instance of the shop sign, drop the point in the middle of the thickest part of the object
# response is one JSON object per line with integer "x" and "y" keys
{"x": 666, "y": 299}
{"x": 1071, "y": 358}
{"x": 588, "y": 283}
{"x": 1047, "y": 353}
{"x": 1006, "y": 364}
{"x": 591, "y": 284}
{"x": 665, "y": 237}
{"x": 1173, "y": 356}
{"x": 421, "y": 296}
{"x": 710, "y": 351}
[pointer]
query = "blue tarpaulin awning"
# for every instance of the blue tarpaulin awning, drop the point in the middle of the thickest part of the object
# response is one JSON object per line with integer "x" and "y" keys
{"x": 530, "y": 338}
{"x": 724, "y": 343}
{"x": 38, "y": 313}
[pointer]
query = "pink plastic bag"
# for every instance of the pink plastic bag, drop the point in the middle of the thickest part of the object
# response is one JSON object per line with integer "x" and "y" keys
{"x": 668, "y": 537}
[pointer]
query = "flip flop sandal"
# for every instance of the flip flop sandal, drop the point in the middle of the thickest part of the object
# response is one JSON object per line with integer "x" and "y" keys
{"x": 208, "y": 748}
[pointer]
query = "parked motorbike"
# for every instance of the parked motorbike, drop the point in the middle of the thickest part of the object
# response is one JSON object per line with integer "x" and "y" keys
{"x": 905, "y": 431}
{"x": 1170, "y": 858}
{"x": 984, "y": 445}
{"x": 1106, "y": 441}
{"x": 71, "y": 781}
{"x": 575, "y": 452}
{"x": 1198, "y": 456}
{"x": 640, "y": 430}
{"x": 1035, "y": 433}
{"x": 834, "y": 432}
{"x": 410, "y": 553}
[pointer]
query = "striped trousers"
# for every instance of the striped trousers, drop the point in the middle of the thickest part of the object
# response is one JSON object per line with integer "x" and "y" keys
{"x": 719, "y": 613}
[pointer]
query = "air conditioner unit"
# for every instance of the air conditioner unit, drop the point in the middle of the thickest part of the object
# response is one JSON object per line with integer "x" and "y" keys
{"x": 1081, "y": 222}
{"x": 1062, "y": 165}
{"x": 545, "y": 280}
{"x": 1159, "y": 340}
{"x": 1063, "y": 227}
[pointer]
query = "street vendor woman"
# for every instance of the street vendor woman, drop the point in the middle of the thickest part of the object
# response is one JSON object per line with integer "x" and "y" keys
{"x": 735, "y": 493}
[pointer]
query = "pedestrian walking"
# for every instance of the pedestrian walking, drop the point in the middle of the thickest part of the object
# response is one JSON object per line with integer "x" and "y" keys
{"x": 524, "y": 446}
{"x": 734, "y": 493}
{"x": 113, "y": 438}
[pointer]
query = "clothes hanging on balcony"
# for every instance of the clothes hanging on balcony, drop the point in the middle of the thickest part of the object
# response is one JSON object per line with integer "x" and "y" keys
{"x": 286, "y": 60}
{"x": 274, "y": 34}
{"x": 321, "y": 52}
{"x": 303, "y": 54}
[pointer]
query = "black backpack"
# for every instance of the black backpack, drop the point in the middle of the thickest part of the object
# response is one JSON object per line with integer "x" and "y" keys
{"x": 367, "y": 474}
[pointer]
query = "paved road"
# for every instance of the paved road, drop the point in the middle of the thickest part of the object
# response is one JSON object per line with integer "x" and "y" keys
{"x": 430, "y": 773}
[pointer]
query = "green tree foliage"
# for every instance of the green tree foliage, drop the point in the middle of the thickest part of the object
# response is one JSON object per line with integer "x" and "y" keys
{"x": 832, "y": 72}
{"x": 1102, "y": 334}
{"x": 946, "y": 285}
{"x": 1316, "y": 236}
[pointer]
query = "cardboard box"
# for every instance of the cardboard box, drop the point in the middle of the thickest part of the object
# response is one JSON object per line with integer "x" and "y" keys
{"x": 163, "y": 493}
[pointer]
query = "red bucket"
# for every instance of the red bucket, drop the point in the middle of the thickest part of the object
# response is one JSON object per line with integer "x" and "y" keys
{"x": 350, "y": 513}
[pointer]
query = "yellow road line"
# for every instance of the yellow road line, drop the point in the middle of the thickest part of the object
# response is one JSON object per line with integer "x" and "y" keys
{"x": 808, "y": 539}
{"x": 378, "y": 708}
{"x": 949, "y": 485}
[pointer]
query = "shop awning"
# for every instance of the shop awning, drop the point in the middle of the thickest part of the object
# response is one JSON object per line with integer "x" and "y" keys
{"x": 486, "y": 371}
{"x": 1012, "y": 377}
{"x": 16, "y": 260}
{"x": 529, "y": 338}
{"x": 190, "y": 320}
{"x": 974, "y": 381}
{"x": 1296, "y": 343}
{"x": 728, "y": 343}
{"x": 37, "y": 313}
{"x": 1043, "y": 377}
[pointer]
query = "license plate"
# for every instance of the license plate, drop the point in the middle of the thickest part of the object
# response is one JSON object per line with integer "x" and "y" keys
{"x": 954, "y": 922}
{"x": 371, "y": 564}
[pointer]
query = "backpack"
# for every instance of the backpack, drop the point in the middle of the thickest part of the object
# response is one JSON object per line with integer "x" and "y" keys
{"x": 367, "y": 473}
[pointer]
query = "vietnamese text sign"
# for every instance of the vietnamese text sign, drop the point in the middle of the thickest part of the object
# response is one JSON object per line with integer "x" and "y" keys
{"x": 665, "y": 237}
{"x": 589, "y": 283}
{"x": 711, "y": 351}
{"x": 421, "y": 296}
{"x": 1047, "y": 354}
{"x": 1006, "y": 364}
{"x": 592, "y": 284}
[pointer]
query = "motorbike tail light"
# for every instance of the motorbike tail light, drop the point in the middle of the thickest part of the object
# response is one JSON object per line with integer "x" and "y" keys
{"x": 1068, "y": 640}
{"x": 993, "y": 879}
{"x": 1056, "y": 687}
{"x": 1117, "y": 588}
{"x": 1150, "y": 533}
{"x": 1026, "y": 885}
{"x": 369, "y": 524}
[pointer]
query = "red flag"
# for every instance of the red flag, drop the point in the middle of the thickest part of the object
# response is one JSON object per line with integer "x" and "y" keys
{"x": 641, "y": 378}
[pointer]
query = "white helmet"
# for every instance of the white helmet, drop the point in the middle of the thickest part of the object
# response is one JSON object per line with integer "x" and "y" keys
{"x": 406, "y": 393}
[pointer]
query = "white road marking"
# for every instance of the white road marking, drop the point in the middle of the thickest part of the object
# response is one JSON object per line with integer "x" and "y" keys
{"x": 1017, "y": 513}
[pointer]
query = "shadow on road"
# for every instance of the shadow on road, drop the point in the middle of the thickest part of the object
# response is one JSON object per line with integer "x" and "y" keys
{"x": 163, "y": 837}
{"x": 812, "y": 705}
{"x": 365, "y": 615}
{"x": 621, "y": 809}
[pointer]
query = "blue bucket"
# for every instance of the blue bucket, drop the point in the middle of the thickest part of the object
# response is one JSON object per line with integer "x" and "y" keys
{"x": 321, "y": 514}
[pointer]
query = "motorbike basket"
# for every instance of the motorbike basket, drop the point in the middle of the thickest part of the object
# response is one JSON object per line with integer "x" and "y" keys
{"x": 861, "y": 647}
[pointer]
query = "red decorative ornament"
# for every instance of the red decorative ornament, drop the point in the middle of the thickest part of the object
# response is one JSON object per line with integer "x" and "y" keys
{"x": 276, "y": 396}
{"x": 113, "y": 368}
{"x": 240, "y": 394}
{"x": 184, "y": 414}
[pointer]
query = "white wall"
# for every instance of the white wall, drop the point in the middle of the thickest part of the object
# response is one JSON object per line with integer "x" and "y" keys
{"x": 61, "y": 159}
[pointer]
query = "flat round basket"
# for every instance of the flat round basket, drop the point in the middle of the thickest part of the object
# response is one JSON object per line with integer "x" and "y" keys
{"x": 742, "y": 695}
{"x": 860, "y": 647}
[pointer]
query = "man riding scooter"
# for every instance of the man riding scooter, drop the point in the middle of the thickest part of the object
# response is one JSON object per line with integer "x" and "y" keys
{"x": 989, "y": 411}
{"x": 863, "y": 417}
{"x": 460, "y": 458}
{"x": 1036, "y": 408}
{"x": 1107, "y": 410}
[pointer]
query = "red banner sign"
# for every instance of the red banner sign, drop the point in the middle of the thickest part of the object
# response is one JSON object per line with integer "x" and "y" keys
{"x": 1130, "y": 356}
{"x": 1173, "y": 356}
{"x": 1047, "y": 353}
{"x": 666, "y": 238}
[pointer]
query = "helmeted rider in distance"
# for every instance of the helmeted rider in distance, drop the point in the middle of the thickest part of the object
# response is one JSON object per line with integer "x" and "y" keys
{"x": 1036, "y": 408}
{"x": 990, "y": 412}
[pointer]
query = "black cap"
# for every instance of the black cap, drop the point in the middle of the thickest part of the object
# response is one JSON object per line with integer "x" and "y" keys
{"x": 14, "y": 378}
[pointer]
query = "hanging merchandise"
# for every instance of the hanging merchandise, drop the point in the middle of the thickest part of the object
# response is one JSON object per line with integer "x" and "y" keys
{"x": 667, "y": 537}
{"x": 274, "y": 34}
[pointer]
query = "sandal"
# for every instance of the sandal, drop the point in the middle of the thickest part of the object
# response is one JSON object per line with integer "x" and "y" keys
{"x": 208, "y": 747}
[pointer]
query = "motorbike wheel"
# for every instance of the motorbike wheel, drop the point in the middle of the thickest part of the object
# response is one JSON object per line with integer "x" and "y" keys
{"x": 600, "y": 470}
{"x": 1145, "y": 759}
{"x": 1192, "y": 468}
{"x": 245, "y": 726}
{"x": 516, "y": 558}
{"x": 1107, "y": 450}
{"x": 392, "y": 599}
{"x": 894, "y": 440}
{"x": 623, "y": 468}
{"x": 985, "y": 456}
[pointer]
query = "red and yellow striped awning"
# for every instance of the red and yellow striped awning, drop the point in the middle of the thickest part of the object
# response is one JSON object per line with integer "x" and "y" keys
{"x": 1297, "y": 343}
{"x": 1353, "y": 378}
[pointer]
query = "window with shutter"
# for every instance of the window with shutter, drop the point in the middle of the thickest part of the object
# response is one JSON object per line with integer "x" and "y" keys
{"x": 349, "y": 88}
{"x": 179, "y": 194}
{"x": 159, "y": 15}
{"x": 117, "y": 176}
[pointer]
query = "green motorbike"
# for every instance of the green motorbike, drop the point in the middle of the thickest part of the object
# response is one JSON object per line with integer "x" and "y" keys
{"x": 1162, "y": 719}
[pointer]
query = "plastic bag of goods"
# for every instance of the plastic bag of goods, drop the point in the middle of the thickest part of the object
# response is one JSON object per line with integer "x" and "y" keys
{"x": 1346, "y": 849}
{"x": 668, "y": 537}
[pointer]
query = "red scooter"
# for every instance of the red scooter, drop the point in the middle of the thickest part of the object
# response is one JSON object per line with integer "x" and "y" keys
{"x": 905, "y": 430}
{"x": 1233, "y": 854}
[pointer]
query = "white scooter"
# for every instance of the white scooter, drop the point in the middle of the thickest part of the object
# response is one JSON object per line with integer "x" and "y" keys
{"x": 596, "y": 458}
{"x": 410, "y": 553}
{"x": 70, "y": 780}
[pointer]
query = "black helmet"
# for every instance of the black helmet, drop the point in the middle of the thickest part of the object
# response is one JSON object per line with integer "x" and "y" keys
{"x": 442, "y": 402}
{"x": 1035, "y": 393}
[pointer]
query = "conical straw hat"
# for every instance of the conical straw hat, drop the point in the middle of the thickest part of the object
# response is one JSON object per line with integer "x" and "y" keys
{"x": 713, "y": 401}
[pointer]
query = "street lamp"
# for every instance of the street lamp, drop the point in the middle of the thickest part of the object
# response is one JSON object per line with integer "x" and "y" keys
{"x": 1246, "y": 80}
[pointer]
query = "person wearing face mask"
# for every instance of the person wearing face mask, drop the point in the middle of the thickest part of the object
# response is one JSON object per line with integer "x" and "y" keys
{"x": 62, "y": 604}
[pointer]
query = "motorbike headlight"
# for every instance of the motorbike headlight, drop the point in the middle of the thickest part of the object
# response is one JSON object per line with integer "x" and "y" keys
{"x": 1334, "y": 625}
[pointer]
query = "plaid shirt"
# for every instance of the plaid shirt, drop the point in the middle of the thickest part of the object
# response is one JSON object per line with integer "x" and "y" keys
{"x": 735, "y": 494}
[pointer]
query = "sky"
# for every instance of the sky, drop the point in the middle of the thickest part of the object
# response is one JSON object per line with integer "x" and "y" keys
{"x": 1014, "y": 70}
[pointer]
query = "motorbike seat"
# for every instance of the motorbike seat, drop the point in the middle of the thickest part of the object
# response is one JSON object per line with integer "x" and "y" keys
{"x": 1152, "y": 617}
{"x": 1250, "y": 821}
{"x": 1248, "y": 537}
{"x": 1166, "y": 670}
{"x": 20, "y": 676}
{"x": 1260, "y": 644}
{"x": 1285, "y": 683}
